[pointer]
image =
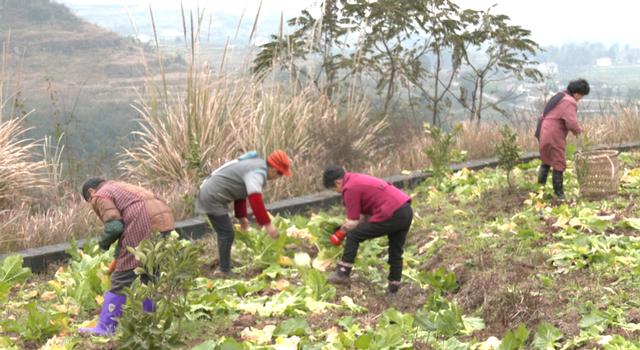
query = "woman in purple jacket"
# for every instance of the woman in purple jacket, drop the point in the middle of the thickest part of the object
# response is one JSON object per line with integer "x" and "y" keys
{"x": 374, "y": 208}
{"x": 559, "y": 117}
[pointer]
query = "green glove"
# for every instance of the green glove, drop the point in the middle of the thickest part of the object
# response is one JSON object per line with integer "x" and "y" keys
{"x": 117, "y": 251}
{"x": 112, "y": 232}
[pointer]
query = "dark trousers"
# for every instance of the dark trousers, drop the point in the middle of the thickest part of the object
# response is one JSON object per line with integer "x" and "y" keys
{"x": 396, "y": 228}
{"x": 543, "y": 172}
{"x": 557, "y": 178}
{"x": 224, "y": 230}
{"x": 123, "y": 279}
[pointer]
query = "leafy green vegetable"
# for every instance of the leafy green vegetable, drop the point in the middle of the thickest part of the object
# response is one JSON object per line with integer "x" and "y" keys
{"x": 11, "y": 274}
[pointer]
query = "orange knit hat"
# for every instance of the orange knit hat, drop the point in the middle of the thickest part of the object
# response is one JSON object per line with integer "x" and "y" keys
{"x": 280, "y": 161}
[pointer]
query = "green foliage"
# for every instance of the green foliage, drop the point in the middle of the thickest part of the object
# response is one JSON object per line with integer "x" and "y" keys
{"x": 293, "y": 326}
{"x": 441, "y": 150}
{"x": 441, "y": 316}
{"x": 175, "y": 264}
{"x": 290, "y": 298}
{"x": 391, "y": 54}
{"x": 37, "y": 324}
{"x": 228, "y": 344}
{"x": 440, "y": 280}
{"x": 619, "y": 343}
{"x": 391, "y": 332}
{"x": 85, "y": 276}
{"x": 508, "y": 152}
{"x": 263, "y": 250}
{"x": 11, "y": 274}
{"x": 546, "y": 338}
{"x": 317, "y": 284}
{"x": 514, "y": 340}
{"x": 507, "y": 50}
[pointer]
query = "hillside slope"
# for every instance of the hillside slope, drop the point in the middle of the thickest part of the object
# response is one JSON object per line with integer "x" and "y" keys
{"x": 79, "y": 78}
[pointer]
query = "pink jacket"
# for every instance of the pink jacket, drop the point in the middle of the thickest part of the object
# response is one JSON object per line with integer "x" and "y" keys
{"x": 368, "y": 195}
{"x": 555, "y": 128}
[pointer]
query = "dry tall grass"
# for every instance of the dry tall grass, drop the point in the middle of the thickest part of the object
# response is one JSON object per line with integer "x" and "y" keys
{"x": 182, "y": 142}
{"x": 34, "y": 207}
{"x": 22, "y": 228}
{"x": 20, "y": 174}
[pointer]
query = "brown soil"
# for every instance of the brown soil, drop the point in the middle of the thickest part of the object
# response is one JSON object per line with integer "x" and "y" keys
{"x": 501, "y": 201}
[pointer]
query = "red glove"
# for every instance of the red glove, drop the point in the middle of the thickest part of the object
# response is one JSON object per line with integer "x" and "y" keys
{"x": 337, "y": 237}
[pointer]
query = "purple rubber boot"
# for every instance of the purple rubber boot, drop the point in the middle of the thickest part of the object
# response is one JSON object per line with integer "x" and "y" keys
{"x": 107, "y": 321}
{"x": 148, "y": 305}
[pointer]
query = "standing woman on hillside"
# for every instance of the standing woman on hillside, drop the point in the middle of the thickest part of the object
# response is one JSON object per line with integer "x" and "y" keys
{"x": 559, "y": 117}
{"x": 130, "y": 214}
{"x": 237, "y": 181}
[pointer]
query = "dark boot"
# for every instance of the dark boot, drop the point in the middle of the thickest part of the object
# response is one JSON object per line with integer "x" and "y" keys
{"x": 558, "y": 187}
{"x": 543, "y": 172}
{"x": 393, "y": 288}
{"x": 340, "y": 275}
{"x": 224, "y": 274}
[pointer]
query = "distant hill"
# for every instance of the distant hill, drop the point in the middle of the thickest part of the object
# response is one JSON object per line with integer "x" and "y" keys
{"x": 79, "y": 78}
{"x": 50, "y": 38}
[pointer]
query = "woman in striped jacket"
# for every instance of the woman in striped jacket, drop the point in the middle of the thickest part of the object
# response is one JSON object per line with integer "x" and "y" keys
{"x": 130, "y": 214}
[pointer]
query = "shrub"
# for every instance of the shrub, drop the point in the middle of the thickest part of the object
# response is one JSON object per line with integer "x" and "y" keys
{"x": 508, "y": 152}
{"x": 441, "y": 152}
{"x": 175, "y": 264}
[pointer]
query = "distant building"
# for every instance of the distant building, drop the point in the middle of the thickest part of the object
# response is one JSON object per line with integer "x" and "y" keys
{"x": 547, "y": 68}
{"x": 604, "y": 62}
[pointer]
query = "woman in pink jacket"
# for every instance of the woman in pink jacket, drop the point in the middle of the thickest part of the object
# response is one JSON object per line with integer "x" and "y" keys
{"x": 373, "y": 208}
{"x": 559, "y": 117}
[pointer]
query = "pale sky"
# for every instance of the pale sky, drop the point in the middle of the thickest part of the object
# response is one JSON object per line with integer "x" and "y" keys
{"x": 552, "y": 22}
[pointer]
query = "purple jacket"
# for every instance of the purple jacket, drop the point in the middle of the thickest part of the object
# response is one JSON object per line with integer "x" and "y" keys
{"x": 367, "y": 195}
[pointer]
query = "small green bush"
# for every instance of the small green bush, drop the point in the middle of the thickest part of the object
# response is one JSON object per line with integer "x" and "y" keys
{"x": 442, "y": 150}
{"x": 508, "y": 152}
{"x": 175, "y": 264}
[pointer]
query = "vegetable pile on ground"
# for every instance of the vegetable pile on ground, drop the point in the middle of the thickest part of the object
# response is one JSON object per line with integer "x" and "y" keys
{"x": 486, "y": 267}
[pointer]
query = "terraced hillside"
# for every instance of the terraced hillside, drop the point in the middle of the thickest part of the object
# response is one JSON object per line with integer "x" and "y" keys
{"x": 77, "y": 76}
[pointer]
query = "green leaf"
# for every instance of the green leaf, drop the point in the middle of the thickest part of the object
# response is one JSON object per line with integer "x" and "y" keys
{"x": 455, "y": 344}
{"x": 594, "y": 319}
{"x": 363, "y": 341}
{"x": 294, "y": 326}
{"x": 633, "y": 223}
{"x": 515, "y": 340}
{"x": 570, "y": 151}
{"x": 346, "y": 322}
{"x": 12, "y": 273}
{"x": 227, "y": 344}
{"x": 392, "y": 316}
{"x": 546, "y": 337}
{"x": 316, "y": 281}
{"x": 472, "y": 324}
{"x": 391, "y": 337}
{"x": 208, "y": 345}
